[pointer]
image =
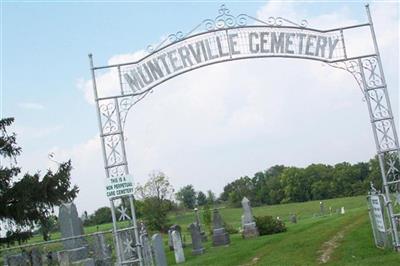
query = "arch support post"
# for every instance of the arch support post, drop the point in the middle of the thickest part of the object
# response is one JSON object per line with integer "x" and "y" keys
{"x": 387, "y": 145}
{"x": 384, "y": 129}
{"x": 111, "y": 114}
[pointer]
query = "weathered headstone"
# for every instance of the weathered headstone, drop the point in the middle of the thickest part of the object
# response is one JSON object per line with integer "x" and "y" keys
{"x": 293, "y": 218}
{"x": 76, "y": 250}
{"x": 147, "y": 252}
{"x": 196, "y": 240}
{"x": 248, "y": 224}
{"x": 36, "y": 257}
{"x": 321, "y": 208}
{"x": 202, "y": 233}
{"x": 220, "y": 237}
{"x": 158, "y": 248}
{"x": 342, "y": 211}
{"x": 17, "y": 260}
{"x": 178, "y": 250}
{"x": 70, "y": 225}
{"x": 177, "y": 228}
{"x": 170, "y": 241}
{"x": 63, "y": 258}
{"x": 102, "y": 251}
{"x": 51, "y": 258}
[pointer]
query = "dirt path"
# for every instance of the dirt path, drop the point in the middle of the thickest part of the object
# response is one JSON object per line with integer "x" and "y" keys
{"x": 329, "y": 246}
{"x": 252, "y": 262}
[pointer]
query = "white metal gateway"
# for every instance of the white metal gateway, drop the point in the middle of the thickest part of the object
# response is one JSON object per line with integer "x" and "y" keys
{"x": 228, "y": 38}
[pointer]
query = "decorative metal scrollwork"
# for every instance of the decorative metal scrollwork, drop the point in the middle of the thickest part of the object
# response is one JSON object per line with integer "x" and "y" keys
{"x": 226, "y": 20}
{"x": 129, "y": 247}
{"x": 279, "y": 21}
{"x": 124, "y": 216}
{"x": 370, "y": 65}
{"x": 392, "y": 162}
{"x": 108, "y": 112}
{"x": 113, "y": 144}
{"x": 117, "y": 171}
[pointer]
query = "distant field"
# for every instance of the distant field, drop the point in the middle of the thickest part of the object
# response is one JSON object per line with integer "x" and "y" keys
{"x": 302, "y": 244}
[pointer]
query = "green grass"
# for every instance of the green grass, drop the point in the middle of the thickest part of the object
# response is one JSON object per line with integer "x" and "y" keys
{"x": 300, "y": 245}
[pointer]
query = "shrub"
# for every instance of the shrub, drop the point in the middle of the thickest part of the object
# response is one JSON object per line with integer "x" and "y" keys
{"x": 268, "y": 225}
{"x": 230, "y": 229}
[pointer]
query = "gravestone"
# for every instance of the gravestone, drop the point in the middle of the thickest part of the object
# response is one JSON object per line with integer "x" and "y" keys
{"x": 146, "y": 246}
{"x": 70, "y": 225}
{"x": 75, "y": 250}
{"x": 158, "y": 248}
{"x": 177, "y": 228}
{"x": 248, "y": 224}
{"x": 170, "y": 242}
{"x": 220, "y": 237}
{"x": 321, "y": 208}
{"x": 196, "y": 240}
{"x": 63, "y": 258}
{"x": 293, "y": 218}
{"x": 17, "y": 260}
{"x": 342, "y": 211}
{"x": 102, "y": 251}
{"x": 36, "y": 257}
{"x": 50, "y": 258}
{"x": 202, "y": 233}
{"x": 178, "y": 250}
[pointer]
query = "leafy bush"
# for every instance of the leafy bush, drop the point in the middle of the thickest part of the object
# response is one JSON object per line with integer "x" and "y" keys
{"x": 230, "y": 229}
{"x": 207, "y": 217}
{"x": 268, "y": 225}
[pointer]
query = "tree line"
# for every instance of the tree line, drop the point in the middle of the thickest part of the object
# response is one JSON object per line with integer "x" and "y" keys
{"x": 277, "y": 185}
{"x": 283, "y": 184}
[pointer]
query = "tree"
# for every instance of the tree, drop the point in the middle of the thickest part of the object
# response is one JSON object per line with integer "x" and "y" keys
{"x": 156, "y": 195}
{"x": 201, "y": 198}
{"x": 47, "y": 226}
{"x": 100, "y": 216}
{"x": 187, "y": 196}
{"x": 242, "y": 187}
{"x": 30, "y": 200}
{"x": 210, "y": 197}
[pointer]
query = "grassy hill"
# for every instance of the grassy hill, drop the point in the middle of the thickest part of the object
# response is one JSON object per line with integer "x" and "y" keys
{"x": 334, "y": 238}
{"x": 304, "y": 243}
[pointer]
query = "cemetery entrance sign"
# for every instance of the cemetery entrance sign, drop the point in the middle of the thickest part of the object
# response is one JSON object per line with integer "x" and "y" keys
{"x": 227, "y": 38}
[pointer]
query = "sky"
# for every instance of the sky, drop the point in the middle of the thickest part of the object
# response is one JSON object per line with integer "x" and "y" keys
{"x": 206, "y": 127}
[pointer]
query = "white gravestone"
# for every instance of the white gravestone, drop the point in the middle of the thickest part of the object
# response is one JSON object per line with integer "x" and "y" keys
{"x": 178, "y": 250}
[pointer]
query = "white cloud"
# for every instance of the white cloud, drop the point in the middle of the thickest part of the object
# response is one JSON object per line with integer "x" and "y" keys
{"x": 107, "y": 81}
{"x": 214, "y": 124}
{"x": 31, "y": 106}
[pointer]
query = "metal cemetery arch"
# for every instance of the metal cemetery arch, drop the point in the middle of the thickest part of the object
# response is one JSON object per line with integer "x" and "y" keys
{"x": 228, "y": 38}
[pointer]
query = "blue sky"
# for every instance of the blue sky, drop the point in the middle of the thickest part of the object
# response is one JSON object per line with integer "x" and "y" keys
{"x": 44, "y": 64}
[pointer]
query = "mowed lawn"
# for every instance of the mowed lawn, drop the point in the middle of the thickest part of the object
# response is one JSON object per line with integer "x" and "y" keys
{"x": 302, "y": 244}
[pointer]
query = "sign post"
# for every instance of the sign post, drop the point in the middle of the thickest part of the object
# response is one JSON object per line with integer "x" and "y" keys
{"x": 377, "y": 213}
{"x": 119, "y": 186}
